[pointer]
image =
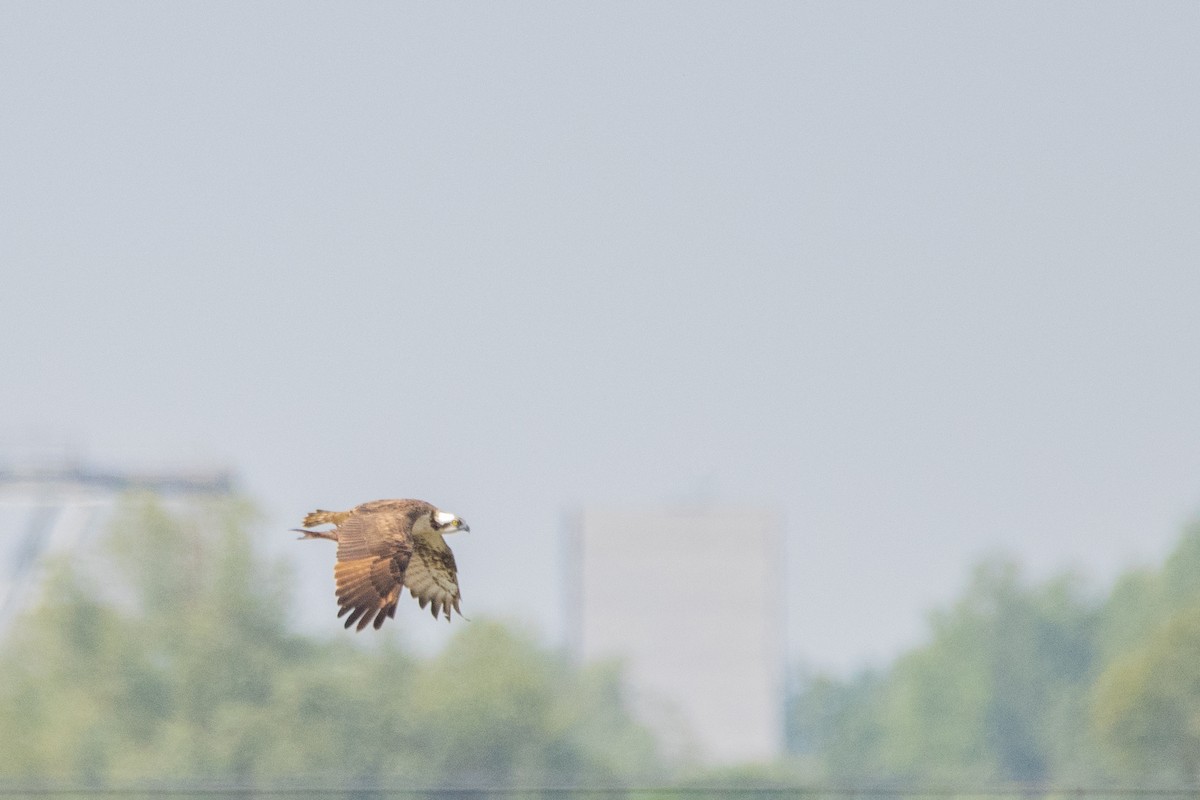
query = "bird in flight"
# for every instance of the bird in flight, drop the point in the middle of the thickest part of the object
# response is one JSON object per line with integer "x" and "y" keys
{"x": 384, "y": 546}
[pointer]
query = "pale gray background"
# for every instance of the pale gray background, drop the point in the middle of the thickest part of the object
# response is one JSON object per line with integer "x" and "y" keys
{"x": 922, "y": 277}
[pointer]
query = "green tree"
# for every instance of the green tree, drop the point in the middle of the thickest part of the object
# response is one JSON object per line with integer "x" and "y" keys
{"x": 1142, "y": 600}
{"x": 1147, "y": 703}
{"x": 834, "y": 729}
{"x": 996, "y": 694}
{"x": 1032, "y": 683}
{"x": 170, "y": 658}
{"x": 498, "y": 712}
{"x": 64, "y": 670}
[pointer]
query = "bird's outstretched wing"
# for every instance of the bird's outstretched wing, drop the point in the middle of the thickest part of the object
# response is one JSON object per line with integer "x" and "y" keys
{"x": 374, "y": 551}
{"x": 432, "y": 577}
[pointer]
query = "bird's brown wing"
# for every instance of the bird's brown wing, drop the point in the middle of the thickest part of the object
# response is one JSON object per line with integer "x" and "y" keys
{"x": 374, "y": 551}
{"x": 432, "y": 577}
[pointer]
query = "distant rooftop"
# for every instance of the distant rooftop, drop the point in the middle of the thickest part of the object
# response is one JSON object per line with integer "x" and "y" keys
{"x": 46, "y": 467}
{"x": 53, "y": 503}
{"x": 207, "y": 482}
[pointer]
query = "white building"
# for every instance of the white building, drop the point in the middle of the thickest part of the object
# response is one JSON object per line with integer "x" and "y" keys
{"x": 691, "y": 602}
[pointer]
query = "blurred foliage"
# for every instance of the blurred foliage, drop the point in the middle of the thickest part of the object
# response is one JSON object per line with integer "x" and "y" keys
{"x": 1028, "y": 683}
{"x": 991, "y": 697}
{"x": 171, "y": 659}
{"x": 1146, "y": 702}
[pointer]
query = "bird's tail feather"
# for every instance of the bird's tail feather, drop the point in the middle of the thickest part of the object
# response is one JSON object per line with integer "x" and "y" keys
{"x": 320, "y": 517}
{"x": 331, "y": 535}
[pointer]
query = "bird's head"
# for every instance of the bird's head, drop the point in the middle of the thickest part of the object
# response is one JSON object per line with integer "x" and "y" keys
{"x": 445, "y": 522}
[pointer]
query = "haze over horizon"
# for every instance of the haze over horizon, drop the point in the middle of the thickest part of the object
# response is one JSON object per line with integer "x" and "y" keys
{"x": 923, "y": 278}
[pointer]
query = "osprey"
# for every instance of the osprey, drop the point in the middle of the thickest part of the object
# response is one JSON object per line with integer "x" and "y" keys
{"x": 384, "y": 546}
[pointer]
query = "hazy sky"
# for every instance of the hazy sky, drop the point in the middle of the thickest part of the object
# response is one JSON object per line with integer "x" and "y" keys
{"x": 923, "y": 277}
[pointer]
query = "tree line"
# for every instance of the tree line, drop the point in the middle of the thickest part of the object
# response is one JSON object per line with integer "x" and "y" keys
{"x": 167, "y": 656}
{"x": 1038, "y": 683}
